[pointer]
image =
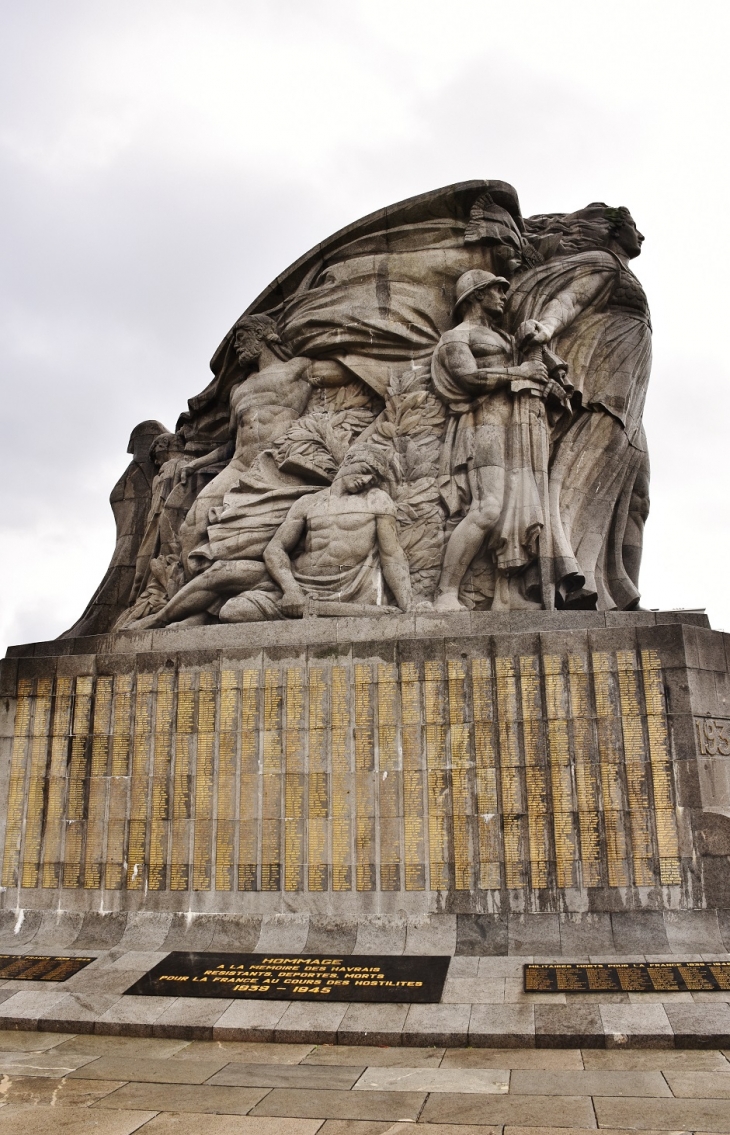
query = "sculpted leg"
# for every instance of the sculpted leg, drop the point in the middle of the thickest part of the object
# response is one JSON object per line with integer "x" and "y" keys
{"x": 194, "y": 528}
{"x": 223, "y": 578}
{"x": 463, "y": 545}
{"x": 468, "y": 537}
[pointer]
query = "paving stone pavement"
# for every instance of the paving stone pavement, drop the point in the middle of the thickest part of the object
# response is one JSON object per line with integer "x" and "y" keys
{"x": 116, "y": 1085}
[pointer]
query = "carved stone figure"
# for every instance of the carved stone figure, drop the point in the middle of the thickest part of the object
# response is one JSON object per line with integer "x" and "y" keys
{"x": 158, "y": 571}
{"x": 586, "y": 303}
{"x": 350, "y": 544}
{"x": 496, "y": 454}
{"x": 130, "y": 501}
{"x": 262, "y": 409}
{"x": 492, "y": 368}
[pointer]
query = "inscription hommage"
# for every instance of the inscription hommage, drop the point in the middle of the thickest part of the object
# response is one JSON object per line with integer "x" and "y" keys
{"x": 523, "y": 772}
{"x": 627, "y": 977}
{"x": 284, "y": 977}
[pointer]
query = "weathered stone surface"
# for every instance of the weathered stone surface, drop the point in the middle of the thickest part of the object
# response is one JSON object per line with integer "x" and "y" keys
{"x": 417, "y": 416}
{"x": 419, "y": 478}
{"x": 407, "y": 839}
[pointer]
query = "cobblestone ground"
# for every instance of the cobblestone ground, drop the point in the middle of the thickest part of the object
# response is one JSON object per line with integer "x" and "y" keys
{"x": 53, "y": 1082}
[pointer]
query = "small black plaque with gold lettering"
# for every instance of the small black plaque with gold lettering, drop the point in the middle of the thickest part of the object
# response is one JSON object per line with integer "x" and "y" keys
{"x": 35, "y": 967}
{"x": 628, "y": 977}
{"x": 297, "y": 977}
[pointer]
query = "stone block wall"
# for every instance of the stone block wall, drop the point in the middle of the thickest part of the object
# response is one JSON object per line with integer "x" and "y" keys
{"x": 471, "y": 764}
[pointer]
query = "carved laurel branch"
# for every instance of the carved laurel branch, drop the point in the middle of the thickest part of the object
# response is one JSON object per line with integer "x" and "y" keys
{"x": 410, "y": 429}
{"x": 322, "y": 437}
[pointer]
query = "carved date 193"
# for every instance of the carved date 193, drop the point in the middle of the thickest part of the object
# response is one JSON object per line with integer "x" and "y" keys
{"x": 714, "y": 737}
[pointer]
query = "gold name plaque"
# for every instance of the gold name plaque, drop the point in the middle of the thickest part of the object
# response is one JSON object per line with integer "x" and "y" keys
{"x": 38, "y": 967}
{"x": 524, "y": 773}
{"x": 628, "y": 977}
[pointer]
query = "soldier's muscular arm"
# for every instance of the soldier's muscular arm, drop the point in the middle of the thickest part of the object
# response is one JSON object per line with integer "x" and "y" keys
{"x": 462, "y": 366}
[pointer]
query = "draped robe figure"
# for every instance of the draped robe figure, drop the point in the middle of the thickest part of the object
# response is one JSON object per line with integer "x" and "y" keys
{"x": 599, "y": 467}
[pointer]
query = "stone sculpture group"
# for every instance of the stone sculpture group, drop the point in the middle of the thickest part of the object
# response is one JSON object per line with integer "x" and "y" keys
{"x": 439, "y": 407}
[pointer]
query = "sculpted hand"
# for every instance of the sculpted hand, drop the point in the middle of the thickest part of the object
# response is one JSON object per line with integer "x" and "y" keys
{"x": 532, "y": 333}
{"x": 293, "y": 602}
{"x": 534, "y": 369}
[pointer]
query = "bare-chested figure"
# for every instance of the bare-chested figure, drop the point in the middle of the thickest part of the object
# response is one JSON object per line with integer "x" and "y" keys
{"x": 263, "y": 407}
{"x": 350, "y": 536}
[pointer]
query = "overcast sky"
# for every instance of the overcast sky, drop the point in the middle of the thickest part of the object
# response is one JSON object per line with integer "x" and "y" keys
{"x": 162, "y": 160}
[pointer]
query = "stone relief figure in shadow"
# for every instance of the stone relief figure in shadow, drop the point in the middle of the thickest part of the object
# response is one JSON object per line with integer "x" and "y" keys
{"x": 130, "y": 501}
{"x": 586, "y": 304}
{"x": 180, "y": 478}
{"x": 494, "y": 462}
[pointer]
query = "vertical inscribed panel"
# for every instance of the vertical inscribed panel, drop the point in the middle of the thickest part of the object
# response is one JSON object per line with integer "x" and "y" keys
{"x": 182, "y": 796}
{"x": 610, "y": 750}
{"x": 227, "y": 780}
{"x": 205, "y": 782}
{"x": 16, "y": 785}
{"x": 637, "y": 769}
{"x": 509, "y": 752}
{"x": 159, "y": 818}
{"x": 661, "y": 774}
{"x": 271, "y": 841}
{"x": 77, "y": 782}
{"x": 461, "y": 786}
{"x": 439, "y": 803}
{"x": 60, "y": 742}
{"x": 413, "y": 780}
{"x": 556, "y": 705}
{"x": 98, "y": 783}
{"x": 36, "y": 783}
{"x": 364, "y": 744}
{"x": 487, "y": 800}
{"x": 114, "y": 871}
{"x": 586, "y": 771}
{"x": 341, "y": 783}
{"x": 535, "y": 772}
{"x": 295, "y": 820}
{"x": 139, "y": 787}
{"x": 248, "y": 836}
{"x": 390, "y": 779}
{"x": 318, "y": 802}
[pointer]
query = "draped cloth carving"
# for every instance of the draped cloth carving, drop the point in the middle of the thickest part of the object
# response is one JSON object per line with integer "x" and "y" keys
{"x": 346, "y": 352}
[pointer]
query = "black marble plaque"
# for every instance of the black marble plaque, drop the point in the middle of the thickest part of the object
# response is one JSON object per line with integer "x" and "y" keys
{"x": 35, "y": 967}
{"x": 297, "y": 977}
{"x": 628, "y": 977}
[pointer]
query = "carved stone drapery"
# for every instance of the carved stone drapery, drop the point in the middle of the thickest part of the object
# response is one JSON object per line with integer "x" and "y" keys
{"x": 439, "y": 405}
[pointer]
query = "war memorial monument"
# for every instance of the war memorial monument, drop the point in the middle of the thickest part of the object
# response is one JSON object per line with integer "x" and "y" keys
{"x": 369, "y": 674}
